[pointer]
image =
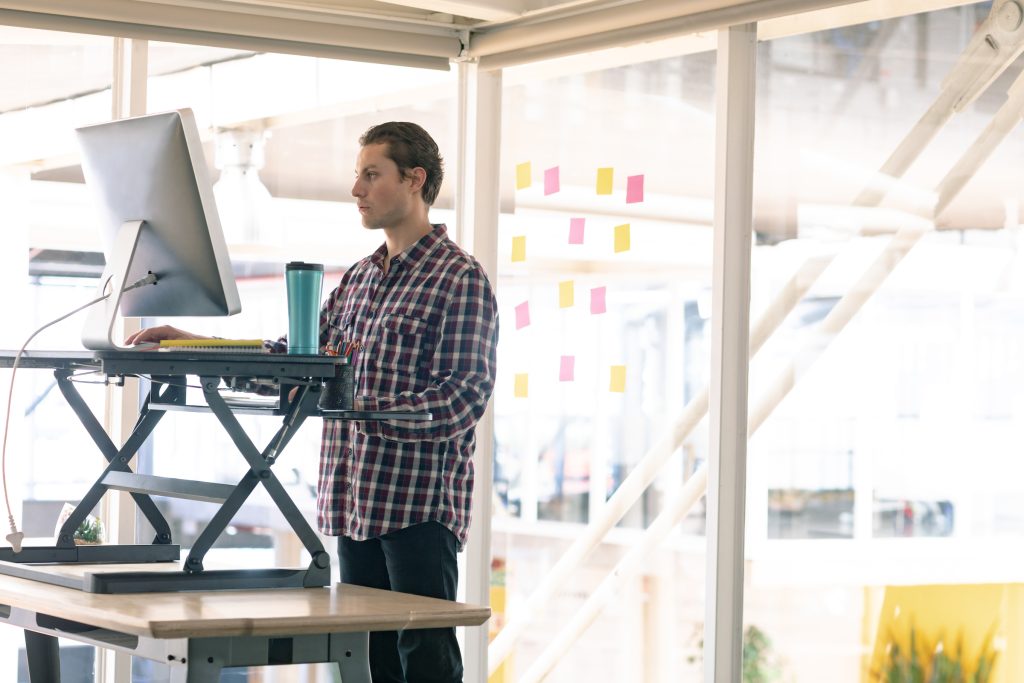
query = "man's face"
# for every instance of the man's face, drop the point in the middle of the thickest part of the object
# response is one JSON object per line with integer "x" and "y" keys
{"x": 384, "y": 198}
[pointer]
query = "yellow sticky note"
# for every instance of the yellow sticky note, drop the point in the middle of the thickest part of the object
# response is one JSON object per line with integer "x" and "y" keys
{"x": 523, "y": 173}
{"x": 622, "y": 237}
{"x": 519, "y": 248}
{"x": 604, "y": 180}
{"x": 522, "y": 385}
{"x": 565, "y": 294}
{"x": 618, "y": 383}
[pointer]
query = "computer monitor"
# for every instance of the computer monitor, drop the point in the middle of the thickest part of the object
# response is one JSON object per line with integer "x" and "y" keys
{"x": 157, "y": 215}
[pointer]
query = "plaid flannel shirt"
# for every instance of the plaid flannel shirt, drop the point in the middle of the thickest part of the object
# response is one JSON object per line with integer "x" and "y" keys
{"x": 427, "y": 332}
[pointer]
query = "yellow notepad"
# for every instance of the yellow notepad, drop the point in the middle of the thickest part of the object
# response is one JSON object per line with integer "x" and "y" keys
{"x": 221, "y": 345}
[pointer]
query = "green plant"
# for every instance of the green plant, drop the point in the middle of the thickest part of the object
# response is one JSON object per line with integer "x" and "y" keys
{"x": 924, "y": 661}
{"x": 760, "y": 663}
{"x": 90, "y": 530}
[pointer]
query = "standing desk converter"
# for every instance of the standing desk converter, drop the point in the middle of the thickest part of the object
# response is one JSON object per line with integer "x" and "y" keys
{"x": 168, "y": 372}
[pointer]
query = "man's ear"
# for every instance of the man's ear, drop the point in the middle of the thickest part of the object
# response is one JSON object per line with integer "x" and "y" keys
{"x": 417, "y": 177}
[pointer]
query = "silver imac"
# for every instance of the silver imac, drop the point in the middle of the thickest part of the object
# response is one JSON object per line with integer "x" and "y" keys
{"x": 157, "y": 216}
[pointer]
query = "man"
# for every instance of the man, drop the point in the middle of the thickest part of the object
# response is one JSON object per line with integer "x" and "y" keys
{"x": 423, "y": 315}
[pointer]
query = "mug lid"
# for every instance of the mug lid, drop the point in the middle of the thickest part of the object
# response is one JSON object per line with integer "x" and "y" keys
{"x": 300, "y": 265}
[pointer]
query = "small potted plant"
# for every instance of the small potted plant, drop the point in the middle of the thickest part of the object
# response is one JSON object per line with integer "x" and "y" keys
{"x": 89, "y": 532}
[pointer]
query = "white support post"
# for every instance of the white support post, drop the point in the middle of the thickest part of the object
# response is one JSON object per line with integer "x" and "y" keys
{"x": 477, "y": 207}
{"x": 730, "y": 334}
{"x": 128, "y": 85}
{"x": 128, "y": 98}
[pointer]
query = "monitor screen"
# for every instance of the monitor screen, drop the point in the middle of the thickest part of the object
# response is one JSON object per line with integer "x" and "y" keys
{"x": 152, "y": 189}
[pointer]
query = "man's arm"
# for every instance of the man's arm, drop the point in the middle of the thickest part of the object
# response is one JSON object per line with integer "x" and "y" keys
{"x": 159, "y": 333}
{"x": 462, "y": 370}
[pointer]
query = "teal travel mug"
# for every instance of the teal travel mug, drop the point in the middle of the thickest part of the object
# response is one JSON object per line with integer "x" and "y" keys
{"x": 303, "y": 281}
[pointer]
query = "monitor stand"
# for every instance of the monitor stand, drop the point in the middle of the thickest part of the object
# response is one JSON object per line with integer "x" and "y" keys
{"x": 98, "y": 333}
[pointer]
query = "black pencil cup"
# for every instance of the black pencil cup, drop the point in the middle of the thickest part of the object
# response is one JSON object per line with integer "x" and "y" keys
{"x": 339, "y": 392}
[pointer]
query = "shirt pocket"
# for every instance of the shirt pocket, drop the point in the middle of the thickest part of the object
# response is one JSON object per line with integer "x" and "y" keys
{"x": 340, "y": 331}
{"x": 405, "y": 343}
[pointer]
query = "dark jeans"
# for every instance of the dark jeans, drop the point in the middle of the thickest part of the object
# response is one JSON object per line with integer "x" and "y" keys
{"x": 420, "y": 560}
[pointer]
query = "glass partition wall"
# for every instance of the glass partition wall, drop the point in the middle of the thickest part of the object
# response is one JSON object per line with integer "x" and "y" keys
{"x": 604, "y": 268}
{"x": 883, "y": 411}
{"x": 883, "y": 399}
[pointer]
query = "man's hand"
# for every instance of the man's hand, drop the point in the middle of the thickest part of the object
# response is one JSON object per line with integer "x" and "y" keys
{"x": 291, "y": 395}
{"x": 157, "y": 334}
{"x": 358, "y": 403}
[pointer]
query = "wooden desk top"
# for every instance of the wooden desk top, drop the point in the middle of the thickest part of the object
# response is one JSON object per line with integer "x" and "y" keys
{"x": 335, "y": 609}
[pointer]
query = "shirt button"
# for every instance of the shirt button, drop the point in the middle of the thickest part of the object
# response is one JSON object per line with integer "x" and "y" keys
{"x": 348, "y": 485}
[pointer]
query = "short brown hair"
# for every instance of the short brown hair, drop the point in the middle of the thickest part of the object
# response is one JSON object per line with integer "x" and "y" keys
{"x": 409, "y": 146}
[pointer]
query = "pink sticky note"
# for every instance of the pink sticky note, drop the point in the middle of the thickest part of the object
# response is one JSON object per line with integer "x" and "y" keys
{"x": 551, "y": 180}
{"x": 634, "y": 189}
{"x": 597, "y": 300}
{"x": 565, "y": 371}
{"x": 576, "y": 230}
{"x": 522, "y": 315}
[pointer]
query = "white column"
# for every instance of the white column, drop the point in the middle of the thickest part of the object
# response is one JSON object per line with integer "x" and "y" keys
{"x": 730, "y": 333}
{"x": 477, "y": 208}
{"x": 128, "y": 98}
{"x": 128, "y": 84}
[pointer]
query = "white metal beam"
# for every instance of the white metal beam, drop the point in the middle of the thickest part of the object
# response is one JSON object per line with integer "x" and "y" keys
{"x": 730, "y": 334}
{"x": 477, "y": 206}
{"x": 769, "y": 29}
{"x": 622, "y": 25}
{"x": 848, "y": 14}
{"x": 321, "y": 35}
{"x": 1005, "y": 120}
{"x": 978, "y": 65}
{"x": 484, "y": 10}
{"x": 246, "y": 18}
{"x": 129, "y": 80}
{"x": 121, "y": 408}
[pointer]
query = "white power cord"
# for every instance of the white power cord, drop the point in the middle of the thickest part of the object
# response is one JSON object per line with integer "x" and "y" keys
{"x": 16, "y": 537}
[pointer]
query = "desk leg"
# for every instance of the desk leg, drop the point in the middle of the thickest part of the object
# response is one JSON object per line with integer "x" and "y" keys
{"x": 43, "y": 657}
{"x": 352, "y": 653}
